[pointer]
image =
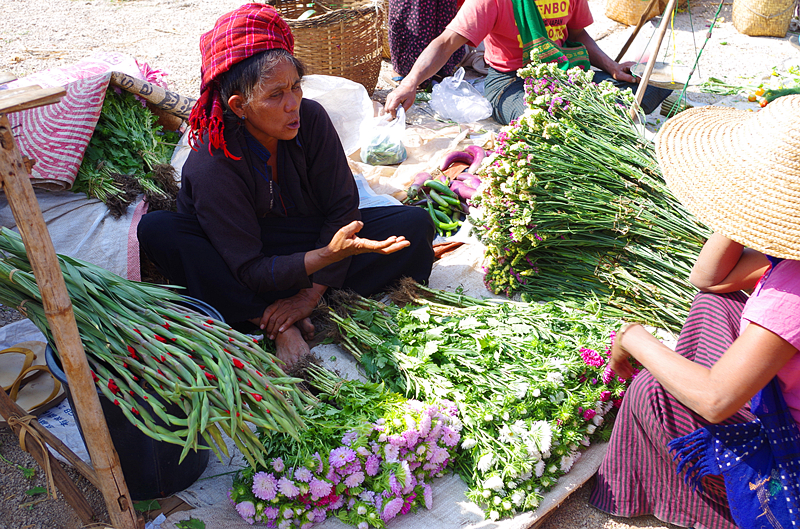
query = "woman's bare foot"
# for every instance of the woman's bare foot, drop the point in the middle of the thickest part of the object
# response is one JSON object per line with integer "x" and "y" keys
{"x": 291, "y": 346}
{"x": 306, "y": 329}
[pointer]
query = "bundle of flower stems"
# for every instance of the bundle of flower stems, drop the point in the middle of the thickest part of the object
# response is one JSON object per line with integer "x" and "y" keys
{"x": 574, "y": 207}
{"x": 143, "y": 344}
{"x": 531, "y": 381}
{"x": 366, "y": 456}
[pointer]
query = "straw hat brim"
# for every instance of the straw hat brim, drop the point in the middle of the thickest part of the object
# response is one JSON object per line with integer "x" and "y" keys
{"x": 739, "y": 172}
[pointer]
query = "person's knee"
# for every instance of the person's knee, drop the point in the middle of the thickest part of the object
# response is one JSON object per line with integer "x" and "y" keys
{"x": 418, "y": 224}
{"x": 152, "y": 227}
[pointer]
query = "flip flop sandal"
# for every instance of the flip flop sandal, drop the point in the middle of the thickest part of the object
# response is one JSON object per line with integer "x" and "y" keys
{"x": 16, "y": 359}
{"x": 39, "y": 394}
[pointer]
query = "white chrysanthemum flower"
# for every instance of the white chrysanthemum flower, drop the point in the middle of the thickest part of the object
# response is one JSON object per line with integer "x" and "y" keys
{"x": 585, "y": 441}
{"x": 566, "y": 463}
{"x": 486, "y": 493}
{"x": 591, "y": 429}
{"x": 528, "y": 474}
{"x": 506, "y": 416}
{"x": 456, "y": 424}
{"x": 494, "y": 515}
{"x": 518, "y": 497}
{"x": 555, "y": 377}
{"x": 507, "y": 435}
{"x": 552, "y": 469}
{"x": 493, "y": 483}
{"x": 539, "y": 468}
{"x": 468, "y": 443}
{"x": 597, "y": 420}
{"x": 397, "y": 422}
{"x": 536, "y": 392}
{"x": 488, "y": 417}
{"x": 519, "y": 428}
{"x": 542, "y": 435}
{"x": 507, "y": 505}
{"x": 497, "y": 500}
{"x": 521, "y": 390}
{"x": 607, "y": 407}
{"x": 485, "y": 462}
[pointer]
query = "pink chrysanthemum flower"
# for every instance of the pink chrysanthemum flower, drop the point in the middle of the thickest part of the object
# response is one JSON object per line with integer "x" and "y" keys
{"x": 372, "y": 465}
{"x": 319, "y": 488}
{"x": 341, "y": 456}
{"x": 288, "y": 488}
{"x": 303, "y": 474}
{"x": 277, "y": 464}
{"x": 392, "y": 509}
{"x": 354, "y": 480}
{"x": 265, "y": 487}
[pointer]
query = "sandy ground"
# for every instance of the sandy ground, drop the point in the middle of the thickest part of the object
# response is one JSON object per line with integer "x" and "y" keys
{"x": 164, "y": 33}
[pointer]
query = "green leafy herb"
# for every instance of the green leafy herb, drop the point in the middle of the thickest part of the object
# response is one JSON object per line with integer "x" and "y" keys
{"x": 35, "y": 490}
{"x": 191, "y": 523}
{"x": 149, "y": 505}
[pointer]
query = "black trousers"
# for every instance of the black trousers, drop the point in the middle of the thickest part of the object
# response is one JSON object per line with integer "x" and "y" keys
{"x": 181, "y": 251}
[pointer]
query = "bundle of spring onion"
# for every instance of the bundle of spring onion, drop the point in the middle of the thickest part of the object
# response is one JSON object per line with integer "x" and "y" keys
{"x": 143, "y": 344}
{"x": 574, "y": 208}
{"x": 530, "y": 381}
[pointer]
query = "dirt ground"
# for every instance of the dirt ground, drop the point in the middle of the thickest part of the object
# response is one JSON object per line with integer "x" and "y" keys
{"x": 164, "y": 33}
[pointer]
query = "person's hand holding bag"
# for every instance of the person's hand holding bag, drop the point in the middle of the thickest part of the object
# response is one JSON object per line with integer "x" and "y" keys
{"x": 382, "y": 139}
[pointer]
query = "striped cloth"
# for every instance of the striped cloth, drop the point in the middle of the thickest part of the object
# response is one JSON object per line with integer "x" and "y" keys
{"x": 238, "y": 35}
{"x": 638, "y": 475}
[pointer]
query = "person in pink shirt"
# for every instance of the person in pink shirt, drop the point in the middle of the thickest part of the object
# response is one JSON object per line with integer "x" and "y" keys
{"x": 492, "y": 22}
{"x": 686, "y": 446}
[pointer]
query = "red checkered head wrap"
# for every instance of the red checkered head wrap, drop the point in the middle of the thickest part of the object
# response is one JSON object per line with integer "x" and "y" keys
{"x": 236, "y": 36}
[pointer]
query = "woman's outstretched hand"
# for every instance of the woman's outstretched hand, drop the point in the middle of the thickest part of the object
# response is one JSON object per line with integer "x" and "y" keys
{"x": 346, "y": 243}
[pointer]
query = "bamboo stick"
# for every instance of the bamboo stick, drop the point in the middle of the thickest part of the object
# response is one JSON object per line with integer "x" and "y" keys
{"x": 58, "y": 310}
{"x": 651, "y": 62}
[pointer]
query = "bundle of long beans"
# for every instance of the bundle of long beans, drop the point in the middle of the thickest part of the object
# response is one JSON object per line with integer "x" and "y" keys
{"x": 141, "y": 341}
{"x": 574, "y": 207}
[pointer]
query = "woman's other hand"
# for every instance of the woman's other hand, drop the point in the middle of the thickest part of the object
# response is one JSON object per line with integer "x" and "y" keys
{"x": 346, "y": 243}
{"x": 620, "y": 363}
{"x": 284, "y": 313}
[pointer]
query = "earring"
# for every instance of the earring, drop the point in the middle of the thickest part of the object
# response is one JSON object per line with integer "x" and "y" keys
{"x": 243, "y": 117}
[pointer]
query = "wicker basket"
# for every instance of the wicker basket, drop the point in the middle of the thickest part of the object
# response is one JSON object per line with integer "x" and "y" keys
{"x": 342, "y": 39}
{"x": 764, "y": 18}
{"x": 387, "y": 54}
{"x": 629, "y": 12}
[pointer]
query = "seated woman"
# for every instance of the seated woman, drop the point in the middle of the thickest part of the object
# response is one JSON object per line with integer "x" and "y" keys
{"x": 268, "y": 214}
{"x": 686, "y": 447}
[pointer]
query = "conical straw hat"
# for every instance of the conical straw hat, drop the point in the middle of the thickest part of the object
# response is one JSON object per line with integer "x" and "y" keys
{"x": 739, "y": 172}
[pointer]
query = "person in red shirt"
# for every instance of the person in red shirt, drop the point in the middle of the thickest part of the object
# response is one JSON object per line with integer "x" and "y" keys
{"x": 492, "y": 22}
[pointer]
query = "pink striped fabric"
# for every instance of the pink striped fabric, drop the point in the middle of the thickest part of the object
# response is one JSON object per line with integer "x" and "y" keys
{"x": 638, "y": 476}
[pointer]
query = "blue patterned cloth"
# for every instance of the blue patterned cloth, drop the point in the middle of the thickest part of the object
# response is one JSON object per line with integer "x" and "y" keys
{"x": 759, "y": 461}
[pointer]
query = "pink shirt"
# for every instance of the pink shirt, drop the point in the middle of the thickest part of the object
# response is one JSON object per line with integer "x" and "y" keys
{"x": 775, "y": 305}
{"x": 492, "y": 21}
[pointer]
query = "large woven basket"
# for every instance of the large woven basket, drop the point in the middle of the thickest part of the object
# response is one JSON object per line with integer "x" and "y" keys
{"x": 764, "y": 18}
{"x": 629, "y": 12}
{"x": 343, "y": 38}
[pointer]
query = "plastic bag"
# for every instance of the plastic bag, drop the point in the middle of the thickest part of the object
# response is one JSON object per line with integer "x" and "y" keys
{"x": 456, "y": 99}
{"x": 383, "y": 139}
{"x": 345, "y": 101}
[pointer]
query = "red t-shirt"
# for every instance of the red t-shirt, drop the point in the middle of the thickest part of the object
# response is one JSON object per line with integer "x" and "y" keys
{"x": 492, "y": 22}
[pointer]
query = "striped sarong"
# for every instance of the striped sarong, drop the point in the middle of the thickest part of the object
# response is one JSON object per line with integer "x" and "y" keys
{"x": 638, "y": 475}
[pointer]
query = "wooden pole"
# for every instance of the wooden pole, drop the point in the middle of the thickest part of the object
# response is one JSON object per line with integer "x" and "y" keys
{"x": 58, "y": 310}
{"x": 636, "y": 30}
{"x": 651, "y": 62}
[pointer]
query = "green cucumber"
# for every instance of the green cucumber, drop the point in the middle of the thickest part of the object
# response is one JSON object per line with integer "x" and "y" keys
{"x": 439, "y": 187}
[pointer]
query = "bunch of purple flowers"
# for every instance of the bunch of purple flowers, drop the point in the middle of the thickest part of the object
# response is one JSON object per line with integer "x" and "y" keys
{"x": 376, "y": 471}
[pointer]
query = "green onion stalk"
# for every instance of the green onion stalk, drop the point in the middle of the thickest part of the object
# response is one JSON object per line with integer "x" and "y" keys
{"x": 531, "y": 381}
{"x": 146, "y": 349}
{"x": 574, "y": 207}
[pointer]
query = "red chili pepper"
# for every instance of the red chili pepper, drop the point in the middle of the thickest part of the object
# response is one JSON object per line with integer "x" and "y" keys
{"x": 250, "y": 383}
{"x": 210, "y": 322}
{"x": 130, "y": 391}
{"x": 174, "y": 339}
{"x": 125, "y": 365}
{"x": 268, "y": 411}
{"x": 113, "y": 386}
{"x": 160, "y": 338}
{"x": 135, "y": 378}
{"x": 160, "y": 373}
{"x": 257, "y": 397}
{"x": 255, "y": 340}
{"x": 259, "y": 373}
{"x": 116, "y": 402}
{"x": 238, "y": 363}
{"x": 146, "y": 397}
{"x": 166, "y": 325}
{"x": 230, "y": 339}
{"x": 134, "y": 410}
{"x": 94, "y": 377}
{"x": 163, "y": 359}
{"x": 210, "y": 376}
{"x": 132, "y": 352}
{"x": 137, "y": 330}
{"x": 237, "y": 413}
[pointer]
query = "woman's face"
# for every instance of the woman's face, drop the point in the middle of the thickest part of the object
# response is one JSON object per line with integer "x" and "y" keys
{"x": 274, "y": 111}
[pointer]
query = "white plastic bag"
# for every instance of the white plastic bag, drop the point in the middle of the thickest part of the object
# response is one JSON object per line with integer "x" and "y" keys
{"x": 346, "y": 102}
{"x": 382, "y": 140}
{"x": 456, "y": 99}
